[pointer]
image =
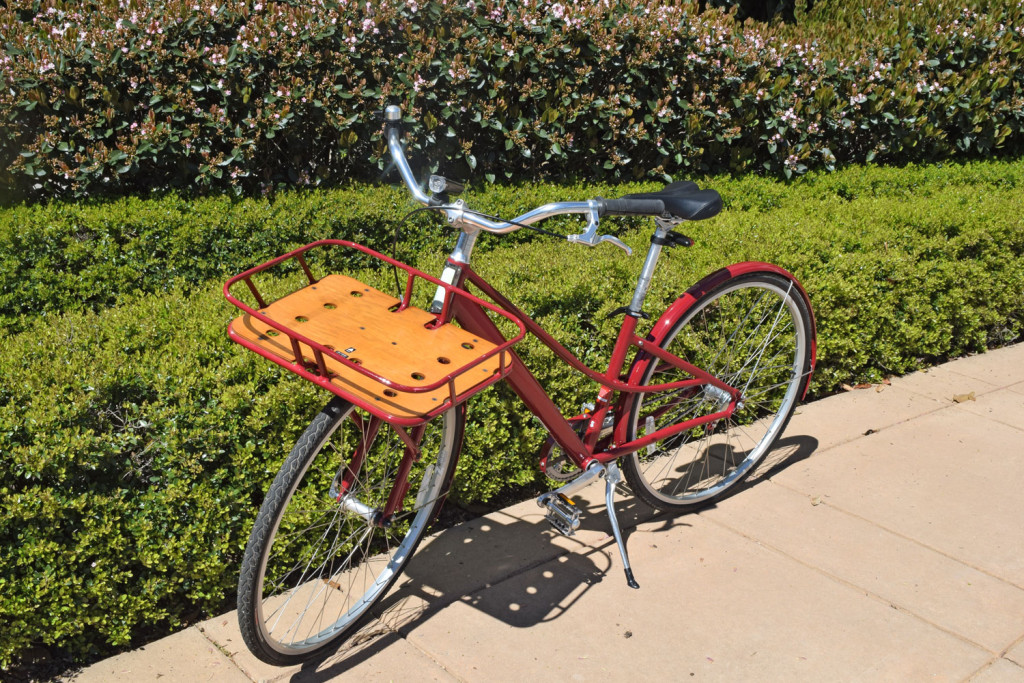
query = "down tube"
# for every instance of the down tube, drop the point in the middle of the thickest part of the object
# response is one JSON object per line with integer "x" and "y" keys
{"x": 475, "y": 320}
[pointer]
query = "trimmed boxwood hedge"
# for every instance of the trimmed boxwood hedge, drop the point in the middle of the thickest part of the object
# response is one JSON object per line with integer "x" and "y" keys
{"x": 138, "y": 441}
{"x": 102, "y": 98}
{"x": 76, "y": 256}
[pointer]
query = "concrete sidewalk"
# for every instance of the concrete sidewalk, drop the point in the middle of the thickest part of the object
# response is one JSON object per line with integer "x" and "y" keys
{"x": 882, "y": 540}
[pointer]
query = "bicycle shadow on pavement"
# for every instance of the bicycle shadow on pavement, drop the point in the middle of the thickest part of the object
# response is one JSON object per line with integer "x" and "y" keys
{"x": 787, "y": 452}
{"x": 480, "y": 564}
{"x": 632, "y": 512}
{"x": 511, "y": 566}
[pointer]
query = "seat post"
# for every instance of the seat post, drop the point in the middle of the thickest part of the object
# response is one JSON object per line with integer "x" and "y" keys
{"x": 647, "y": 274}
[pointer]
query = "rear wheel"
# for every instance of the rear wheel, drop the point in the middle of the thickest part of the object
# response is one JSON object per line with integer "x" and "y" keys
{"x": 754, "y": 333}
{"x": 320, "y": 555}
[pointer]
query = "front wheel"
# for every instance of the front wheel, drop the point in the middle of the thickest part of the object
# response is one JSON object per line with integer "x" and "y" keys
{"x": 321, "y": 554}
{"x": 754, "y": 333}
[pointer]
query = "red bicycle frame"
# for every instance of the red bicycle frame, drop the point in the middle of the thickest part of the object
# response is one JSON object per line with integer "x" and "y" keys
{"x": 473, "y": 314}
{"x": 581, "y": 449}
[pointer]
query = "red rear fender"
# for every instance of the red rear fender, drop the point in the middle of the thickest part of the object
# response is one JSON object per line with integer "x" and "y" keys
{"x": 680, "y": 306}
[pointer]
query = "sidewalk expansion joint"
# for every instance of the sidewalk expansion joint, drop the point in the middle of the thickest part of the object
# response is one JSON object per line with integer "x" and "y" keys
{"x": 437, "y": 662}
{"x": 980, "y": 379}
{"x": 910, "y": 539}
{"x": 904, "y": 537}
{"x": 1010, "y": 647}
{"x": 874, "y": 432}
{"x": 397, "y": 632}
{"x": 849, "y": 584}
{"x": 988, "y": 665}
{"x": 223, "y": 650}
{"x": 1017, "y": 427}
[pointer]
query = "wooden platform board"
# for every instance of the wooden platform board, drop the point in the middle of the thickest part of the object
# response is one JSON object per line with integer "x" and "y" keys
{"x": 354, "y": 319}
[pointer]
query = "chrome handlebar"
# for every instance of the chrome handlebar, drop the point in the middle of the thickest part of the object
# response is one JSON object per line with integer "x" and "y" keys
{"x": 393, "y": 117}
{"x": 462, "y": 218}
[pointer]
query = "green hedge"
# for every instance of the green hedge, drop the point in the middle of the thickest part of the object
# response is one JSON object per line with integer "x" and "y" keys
{"x": 84, "y": 256}
{"x": 138, "y": 441}
{"x": 232, "y": 95}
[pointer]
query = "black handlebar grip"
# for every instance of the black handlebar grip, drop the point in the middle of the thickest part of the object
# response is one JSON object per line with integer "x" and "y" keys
{"x": 631, "y": 207}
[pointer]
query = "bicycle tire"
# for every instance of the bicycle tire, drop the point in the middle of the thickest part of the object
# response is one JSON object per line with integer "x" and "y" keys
{"x": 730, "y": 331}
{"x": 307, "y": 546}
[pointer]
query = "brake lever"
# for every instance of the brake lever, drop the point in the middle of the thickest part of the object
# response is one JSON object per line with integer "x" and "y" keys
{"x": 590, "y": 237}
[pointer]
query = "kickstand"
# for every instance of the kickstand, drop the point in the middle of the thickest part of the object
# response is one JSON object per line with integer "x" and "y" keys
{"x": 613, "y": 477}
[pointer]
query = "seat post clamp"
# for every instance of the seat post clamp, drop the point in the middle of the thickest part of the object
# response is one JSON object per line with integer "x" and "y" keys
{"x": 672, "y": 239}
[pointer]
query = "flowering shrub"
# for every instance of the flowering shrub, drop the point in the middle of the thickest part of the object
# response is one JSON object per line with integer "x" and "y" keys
{"x": 246, "y": 95}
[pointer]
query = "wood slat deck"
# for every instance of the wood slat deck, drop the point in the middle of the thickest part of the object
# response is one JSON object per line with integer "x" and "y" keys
{"x": 355, "y": 320}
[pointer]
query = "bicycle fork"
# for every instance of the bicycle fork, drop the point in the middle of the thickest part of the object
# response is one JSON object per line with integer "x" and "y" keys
{"x": 564, "y": 516}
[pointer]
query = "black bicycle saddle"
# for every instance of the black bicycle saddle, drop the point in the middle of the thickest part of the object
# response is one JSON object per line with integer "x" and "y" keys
{"x": 682, "y": 199}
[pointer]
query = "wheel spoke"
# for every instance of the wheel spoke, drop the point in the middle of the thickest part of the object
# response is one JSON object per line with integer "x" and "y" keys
{"x": 752, "y": 334}
{"x": 317, "y": 563}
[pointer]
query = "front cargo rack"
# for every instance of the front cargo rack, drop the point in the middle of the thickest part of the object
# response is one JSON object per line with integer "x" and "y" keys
{"x": 398, "y": 362}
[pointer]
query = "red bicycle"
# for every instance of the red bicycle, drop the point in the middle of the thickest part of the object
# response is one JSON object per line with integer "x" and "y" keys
{"x": 689, "y": 409}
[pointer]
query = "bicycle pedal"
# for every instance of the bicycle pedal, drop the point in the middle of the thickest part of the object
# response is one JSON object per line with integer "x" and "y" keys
{"x": 562, "y": 514}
